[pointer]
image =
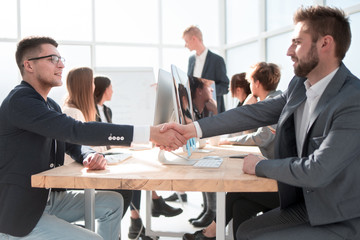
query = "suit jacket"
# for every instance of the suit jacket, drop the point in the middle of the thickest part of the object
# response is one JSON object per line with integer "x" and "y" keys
{"x": 107, "y": 113}
{"x": 214, "y": 69}
{"x": 30, "y": 131}
{"x": 327, "y": 174}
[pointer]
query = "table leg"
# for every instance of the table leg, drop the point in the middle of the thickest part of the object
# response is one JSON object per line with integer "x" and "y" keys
{"x": 220, "y": 215}
{"x": 148, "y": 230}
{"x": 90, "y": 209}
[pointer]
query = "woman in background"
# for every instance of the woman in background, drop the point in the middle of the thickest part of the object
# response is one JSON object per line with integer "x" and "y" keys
{"x": 103, "y": 92}
{"x": 240, "y": 87}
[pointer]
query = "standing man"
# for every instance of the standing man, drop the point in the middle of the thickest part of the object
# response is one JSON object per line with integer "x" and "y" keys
{"x": 34, "y": 135}
{"x": 206, "y": 64}
{"x": 317, "y": 143}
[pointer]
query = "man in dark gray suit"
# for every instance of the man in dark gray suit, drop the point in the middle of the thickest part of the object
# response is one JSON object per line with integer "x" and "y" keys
{"x": 317, "y": 144}
{"x": 206, "y": 64}
{"x": 34, "y": 135}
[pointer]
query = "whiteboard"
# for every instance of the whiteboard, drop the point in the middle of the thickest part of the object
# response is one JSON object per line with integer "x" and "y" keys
{"x": 133, "y": 100}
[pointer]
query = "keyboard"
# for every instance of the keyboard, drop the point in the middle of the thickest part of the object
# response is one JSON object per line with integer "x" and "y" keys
{"x": 209, "y": 162}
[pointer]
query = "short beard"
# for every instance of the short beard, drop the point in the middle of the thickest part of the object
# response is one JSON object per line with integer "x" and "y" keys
{"x": 311, "y": 61}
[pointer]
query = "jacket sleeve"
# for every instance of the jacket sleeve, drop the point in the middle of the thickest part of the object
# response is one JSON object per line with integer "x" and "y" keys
{"x": 30, "y": 112}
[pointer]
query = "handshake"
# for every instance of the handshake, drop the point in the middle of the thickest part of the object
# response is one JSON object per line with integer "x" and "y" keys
{"x": 171, "y": 136}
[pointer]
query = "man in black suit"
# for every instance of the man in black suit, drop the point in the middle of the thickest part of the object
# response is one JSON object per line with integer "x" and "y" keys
{"x": 317, "y": 142}
{"x": 34, "y": 135}
{"x": 206, "y": 64}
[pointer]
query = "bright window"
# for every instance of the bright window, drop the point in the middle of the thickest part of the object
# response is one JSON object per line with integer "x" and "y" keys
{"x": 178, "y": 15}
{"x": 134, "y": 21}
{"x": 61, "y": 20}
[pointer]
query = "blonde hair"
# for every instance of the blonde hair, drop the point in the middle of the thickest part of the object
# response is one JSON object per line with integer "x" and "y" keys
{"x": 79, "y": 83}
{"x": 193, "y": 31}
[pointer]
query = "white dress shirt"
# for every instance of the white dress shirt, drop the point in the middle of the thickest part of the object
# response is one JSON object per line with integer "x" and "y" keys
{"x": 199, "y": 63}
{"x": 101, "y": 113}
{"x": 304, "y": 111}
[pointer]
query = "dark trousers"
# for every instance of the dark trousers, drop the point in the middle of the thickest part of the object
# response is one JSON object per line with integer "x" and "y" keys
{"x": 127, "y": 195}
{"x": 136, "y": 199}
{"x": 293, "y": 223}
{"x": 245, "y": 205}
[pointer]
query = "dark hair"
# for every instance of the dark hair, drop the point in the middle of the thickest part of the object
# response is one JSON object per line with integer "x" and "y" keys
{"x": 195, "y": 83}
{"x": 267, "y": 73}
{"x": 322, "y": 21}
{"x": 101, "y": 84}
{"x": 28, "y": 46}
{"x": 239, "y": 81}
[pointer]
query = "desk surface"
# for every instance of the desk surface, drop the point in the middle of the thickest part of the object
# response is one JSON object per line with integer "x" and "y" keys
{"x": 144, "y": 172}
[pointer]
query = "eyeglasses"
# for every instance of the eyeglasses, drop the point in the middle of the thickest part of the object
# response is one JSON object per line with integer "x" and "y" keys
{"x": 54, "y": 58}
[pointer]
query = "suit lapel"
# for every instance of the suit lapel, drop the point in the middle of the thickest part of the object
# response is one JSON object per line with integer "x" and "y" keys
{"x": 191, "y": 66}
{"x": 330, "y": 92}
{"x": 297, "y": 97}
{"x": 206, "y": 64}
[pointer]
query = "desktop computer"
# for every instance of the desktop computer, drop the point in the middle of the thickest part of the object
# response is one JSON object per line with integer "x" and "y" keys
{"x": 173, "y": 104}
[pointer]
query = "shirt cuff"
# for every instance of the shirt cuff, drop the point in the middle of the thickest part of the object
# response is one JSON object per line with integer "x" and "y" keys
{"x": 198, "y": 129}
{"x": 141, "y": 134}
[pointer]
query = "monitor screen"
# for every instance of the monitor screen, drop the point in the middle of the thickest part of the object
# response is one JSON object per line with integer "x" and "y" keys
{"x": 183, "y": 95}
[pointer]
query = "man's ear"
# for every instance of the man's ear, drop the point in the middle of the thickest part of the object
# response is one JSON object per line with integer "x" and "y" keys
{"x": 327, "y": 41}
{"x": 28, "y": 67}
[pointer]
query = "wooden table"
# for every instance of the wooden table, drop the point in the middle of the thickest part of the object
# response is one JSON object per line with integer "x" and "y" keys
{"x": 144, "y": 172}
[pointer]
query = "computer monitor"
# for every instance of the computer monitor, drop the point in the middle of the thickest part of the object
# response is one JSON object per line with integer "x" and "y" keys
{"x": 183, "y": 95}
{"x": 165, "y": 103}
{"x": 168, "y": 109}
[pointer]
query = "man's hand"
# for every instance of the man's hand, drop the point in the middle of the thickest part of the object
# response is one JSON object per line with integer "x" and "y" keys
{"x": 95, "y": 161}
{"x": 225, "y": 142}
{"x": 250, "y": 163}
{"x": 169, "y": 140}
{"x": 187, "y": 131}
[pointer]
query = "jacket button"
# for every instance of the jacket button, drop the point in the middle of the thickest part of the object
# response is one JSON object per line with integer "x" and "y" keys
{"x": 118, "y": 138}
{"x": 52, "y": 165}
{"x": 110, "y": 138}
{"x": 122, "y": 138}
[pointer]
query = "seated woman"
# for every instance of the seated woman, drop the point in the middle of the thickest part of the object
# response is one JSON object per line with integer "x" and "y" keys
{"x": 264, "y": 79}
{"x": 240, "y": 88}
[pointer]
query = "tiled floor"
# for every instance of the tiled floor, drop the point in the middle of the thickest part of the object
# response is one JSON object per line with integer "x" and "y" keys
{"x": 174, "y": 224}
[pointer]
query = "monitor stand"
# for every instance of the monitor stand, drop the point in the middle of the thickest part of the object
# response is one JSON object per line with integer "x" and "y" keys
{"x": 169, "y": 158}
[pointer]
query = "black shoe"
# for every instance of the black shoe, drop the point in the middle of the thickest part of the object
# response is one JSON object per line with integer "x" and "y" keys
{"x": 198, "y": 235}
{"x": 175, "y": 198}
{"x": 159, "y": 207}
{"x": 198, "y": 217}
{"x": 134, "y": 230}
{"x": 205, "y": 220}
